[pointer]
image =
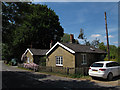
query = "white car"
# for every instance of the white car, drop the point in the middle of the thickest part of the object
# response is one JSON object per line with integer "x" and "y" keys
{"x": 104, "y": 69}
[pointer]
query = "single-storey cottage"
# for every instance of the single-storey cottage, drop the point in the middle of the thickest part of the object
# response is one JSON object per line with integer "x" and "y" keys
{"x": 33, "y": 55}
{"x": 73, "y": 55}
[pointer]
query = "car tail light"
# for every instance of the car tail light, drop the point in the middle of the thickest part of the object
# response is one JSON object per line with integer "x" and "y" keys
{"x": 102, "y": 69}
{"x": 89, "y": 68}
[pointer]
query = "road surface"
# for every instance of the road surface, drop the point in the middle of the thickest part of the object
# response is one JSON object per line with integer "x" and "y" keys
{"x": 13, "y": 77}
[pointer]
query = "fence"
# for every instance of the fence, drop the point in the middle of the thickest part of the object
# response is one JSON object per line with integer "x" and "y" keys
{"x": 61, "y": 70}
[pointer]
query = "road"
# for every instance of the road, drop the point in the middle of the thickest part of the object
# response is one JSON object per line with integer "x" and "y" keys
{"x": 13, "y": 77}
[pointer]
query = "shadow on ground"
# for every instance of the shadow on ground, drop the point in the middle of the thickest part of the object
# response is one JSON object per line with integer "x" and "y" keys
{"x": 16, "y": 79}
{"x": 105, "y": 80}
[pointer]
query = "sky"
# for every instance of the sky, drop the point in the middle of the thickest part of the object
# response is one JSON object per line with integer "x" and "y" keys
{"x": 90, "y": 17}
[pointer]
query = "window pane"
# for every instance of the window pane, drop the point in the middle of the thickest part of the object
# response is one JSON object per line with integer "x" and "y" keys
{"x": 56, "y": 60}
{"x": 97, "y": 65}
{"x": 61, "y": 60}
{"x": 84, "y": 60}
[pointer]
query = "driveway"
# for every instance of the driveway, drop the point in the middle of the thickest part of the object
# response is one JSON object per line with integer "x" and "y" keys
{"x": 13, "y": 77}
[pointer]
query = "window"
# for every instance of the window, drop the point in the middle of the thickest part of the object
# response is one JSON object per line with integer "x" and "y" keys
{"x": 59, "y": 61}
{"x": 97, "y": 65}
{"x": 31, "y": 60}
{"x": 28, "y": 60}
{"x": 112, "y": 64}
{"x": 84, "y": 59}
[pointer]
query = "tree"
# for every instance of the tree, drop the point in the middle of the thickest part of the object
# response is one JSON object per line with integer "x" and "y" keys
{"x": 95, "y": 43}
{"x": 113, "y": 52}
{"x": 102, "y": 46}
{"x": 118, "y": 54}
{"x": 83, "y": 37}
{"x": 39, "y": 26}
{"x": 13, "y": 15}
{"x": 66, "y": 38}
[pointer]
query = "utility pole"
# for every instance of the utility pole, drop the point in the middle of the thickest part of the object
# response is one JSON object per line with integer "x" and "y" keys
{"x": 108, "y": 50}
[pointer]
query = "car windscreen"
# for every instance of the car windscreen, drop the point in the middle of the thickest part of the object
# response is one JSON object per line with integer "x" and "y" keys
{"x": 97, "y": 65}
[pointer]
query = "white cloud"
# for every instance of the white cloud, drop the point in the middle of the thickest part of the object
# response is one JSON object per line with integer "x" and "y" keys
{"x": 115, "y": 42}
{"x": 110, "y": 36}
{"x": 95, "y": 35}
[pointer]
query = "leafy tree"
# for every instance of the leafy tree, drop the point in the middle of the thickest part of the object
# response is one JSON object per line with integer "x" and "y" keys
{"x": 66, "y": 38}
{"x": 13, "y": 15}
{"x": 113, "y": 52}
{"x": 83, "y": 37}
{"x": 37, "y": 26}
{"x": 102, "y": 46}
{"x": 95, "y": 43}
{"x": 119, "y": 54}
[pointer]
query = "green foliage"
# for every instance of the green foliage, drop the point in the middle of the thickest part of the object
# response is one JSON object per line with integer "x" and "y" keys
{"x": 95, "y": 43}
{"x": 25, "y": 24}
{"x": 119, "y": 54}
{"x": 102, "y": 46}
{"x": 65, "y": 38}
{"x": 113, "y": 52}
{"x": 42, "y": 61}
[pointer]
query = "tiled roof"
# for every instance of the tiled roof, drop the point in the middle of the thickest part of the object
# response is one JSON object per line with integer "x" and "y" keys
{"x": 82, "y": 48}
{"x": 38, "y": 51}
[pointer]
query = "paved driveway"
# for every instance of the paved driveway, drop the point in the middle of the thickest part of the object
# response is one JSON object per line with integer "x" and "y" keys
{"x": 12, "y": 77}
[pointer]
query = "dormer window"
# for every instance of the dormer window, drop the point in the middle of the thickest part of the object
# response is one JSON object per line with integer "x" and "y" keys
{"x": 92, "y": 49}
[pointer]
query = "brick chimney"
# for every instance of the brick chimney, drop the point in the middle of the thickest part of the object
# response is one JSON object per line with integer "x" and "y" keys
{"x": 72, "y": 40}
{"x": 51, "y": 44}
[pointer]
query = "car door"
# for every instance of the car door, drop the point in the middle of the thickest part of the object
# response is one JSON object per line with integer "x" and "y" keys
{"x": 112, "y": 68}
{"x": 116, "y": 68}
{"x": 119, "y": 69}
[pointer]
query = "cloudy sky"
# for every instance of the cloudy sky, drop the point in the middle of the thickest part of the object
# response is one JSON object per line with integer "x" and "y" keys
{"x": 88, "y": 16}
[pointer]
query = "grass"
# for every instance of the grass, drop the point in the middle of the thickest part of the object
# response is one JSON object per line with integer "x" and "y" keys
{"x": 24, "y": 68}
{"x": 80, "y": 76}
{"x": 77, "y": 76}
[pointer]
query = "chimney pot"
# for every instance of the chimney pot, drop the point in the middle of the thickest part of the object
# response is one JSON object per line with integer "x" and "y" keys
{"x": 71, "y": 38}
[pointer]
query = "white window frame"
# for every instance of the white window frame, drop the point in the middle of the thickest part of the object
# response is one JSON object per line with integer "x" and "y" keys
{"x": 28, "y": 60}
{"x": 84, "y": 59}
{"x": 31, "y": 61}
{"x": 59, "y": 60}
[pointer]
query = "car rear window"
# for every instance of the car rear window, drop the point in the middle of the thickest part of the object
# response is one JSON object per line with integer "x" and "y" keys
{"x": 97, "y": 65}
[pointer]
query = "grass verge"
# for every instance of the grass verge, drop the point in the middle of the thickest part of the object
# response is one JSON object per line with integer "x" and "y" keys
{"x": 75, "y": 76}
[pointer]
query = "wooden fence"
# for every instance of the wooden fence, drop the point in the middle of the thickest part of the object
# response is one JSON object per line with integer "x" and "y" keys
{"x": 61, "y": 70}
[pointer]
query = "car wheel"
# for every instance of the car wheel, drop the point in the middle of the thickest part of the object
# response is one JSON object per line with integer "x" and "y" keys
{"x": 110, "y": 76}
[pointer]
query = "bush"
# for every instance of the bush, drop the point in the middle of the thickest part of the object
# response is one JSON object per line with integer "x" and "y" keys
{"x": 76, "y": 75}
{"x": 32, "y": 66}
{"x": 42, "y": 61}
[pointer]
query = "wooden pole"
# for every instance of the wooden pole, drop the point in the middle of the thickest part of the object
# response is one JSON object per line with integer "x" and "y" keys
{"x": 108, "y": 50}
